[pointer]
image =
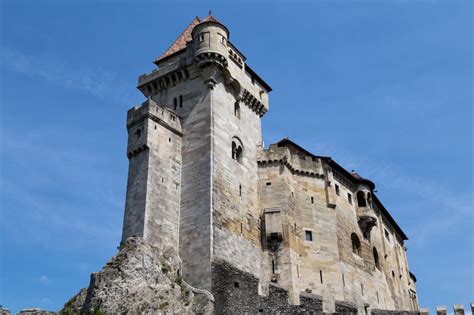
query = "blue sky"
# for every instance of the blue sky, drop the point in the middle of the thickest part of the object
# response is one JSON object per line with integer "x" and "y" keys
{"x": 384, "y": 87}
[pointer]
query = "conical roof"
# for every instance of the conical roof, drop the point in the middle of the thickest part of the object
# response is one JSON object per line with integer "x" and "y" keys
{"x": 184, "y": 37}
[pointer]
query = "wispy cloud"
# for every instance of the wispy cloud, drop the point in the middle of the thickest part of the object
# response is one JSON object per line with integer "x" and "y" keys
{"x": 44, "y": 280}
{"x": 96, "y": 81}
{"x": 42, "y": 168}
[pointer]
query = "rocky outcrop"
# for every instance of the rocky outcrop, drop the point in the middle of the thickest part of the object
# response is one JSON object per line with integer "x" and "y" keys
{"x": 140, "y": 279}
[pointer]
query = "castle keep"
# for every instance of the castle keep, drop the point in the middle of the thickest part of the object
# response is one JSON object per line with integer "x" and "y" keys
{"x": 261, "y": 229}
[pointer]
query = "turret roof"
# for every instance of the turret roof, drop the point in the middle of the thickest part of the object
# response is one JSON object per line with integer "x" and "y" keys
{"x": 185, "y": 37}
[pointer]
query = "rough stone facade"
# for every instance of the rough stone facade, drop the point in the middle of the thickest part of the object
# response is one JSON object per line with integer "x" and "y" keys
{"x": 140, "y": 279}
{"x": 265, "y": 230}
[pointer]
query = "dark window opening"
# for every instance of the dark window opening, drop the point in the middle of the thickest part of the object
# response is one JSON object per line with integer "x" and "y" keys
{"x": 237, "y": 151}
{"x": 175, "y": 103}
{"x": 369, "y": 199}
{"x": 376, "y": 258}
{"x": 337, "y": 189}
{"x": 321, "y": 275}
{"x": 180, "y": 101}
{"x": 312, "y": 199}
{"x": 361, "y": 199}
{"x": 241, "y": 228}
{"x": 393, "y": 274}
{"x": 355, "y": 244}
{"x": 308, "y": 235}
{"x": 273, "y": 266}
{"x": 349, "y": 198}
{"x": 240, "y": 190}
{"x": 269, "y": 183}
{"x": 362, "y": 289}
{"x": 237, "y": 109}
{"x": 343, "y": 281}
{"x": 274, "y": 236}
{"x": 236, "y": 284}
{"x": 169, "y": 139}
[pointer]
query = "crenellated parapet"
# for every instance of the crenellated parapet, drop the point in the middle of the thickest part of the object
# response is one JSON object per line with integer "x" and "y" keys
{"x": 159, "y": 114}
{"x": 296, "y": 164}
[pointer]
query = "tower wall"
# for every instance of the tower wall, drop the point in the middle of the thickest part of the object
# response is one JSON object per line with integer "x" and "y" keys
{"x": 195, "y": 220}
{"x": 235, "y": 209}
{"x": 153, "y": 189}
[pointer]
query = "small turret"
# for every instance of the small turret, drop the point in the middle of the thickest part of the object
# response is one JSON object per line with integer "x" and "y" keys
{"x": 210, "y": 42}
{"x": 365, "y": 210}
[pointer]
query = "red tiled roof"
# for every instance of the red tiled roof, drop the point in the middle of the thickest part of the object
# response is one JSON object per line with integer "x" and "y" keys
{"x": 180, "y": 42}
{"x": 184, "y": 37}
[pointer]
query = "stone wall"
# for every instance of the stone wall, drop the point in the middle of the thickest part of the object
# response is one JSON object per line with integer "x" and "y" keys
{"x": 236, "y": 292}
{"x": 316, "y": 251}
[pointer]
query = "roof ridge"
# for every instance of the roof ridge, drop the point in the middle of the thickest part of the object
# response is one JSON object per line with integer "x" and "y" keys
{"x": 180, "y": 42}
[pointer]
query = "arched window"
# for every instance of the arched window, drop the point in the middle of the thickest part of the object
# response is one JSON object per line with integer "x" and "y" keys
{"x": 376, "y": 258}
{"x": 355, "y": 244}
{"x": 237, "y": 150}
{"x": 361, "y": 199}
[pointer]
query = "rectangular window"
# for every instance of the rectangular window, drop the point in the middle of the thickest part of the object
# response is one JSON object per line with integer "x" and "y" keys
{"x": 349, "y": 198}
{"x": 175, "y": 103}
{"x": 180, "y": 101}
{"x": 308, "y": 236}
{"x": 269, "y": 183}
{"x": 337, "y": 189}
{"x": 237, "y": 109}
{"x": 312, "y": 199}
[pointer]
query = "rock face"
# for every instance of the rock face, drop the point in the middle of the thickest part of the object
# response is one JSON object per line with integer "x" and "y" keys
{"x": 139, "y": 279}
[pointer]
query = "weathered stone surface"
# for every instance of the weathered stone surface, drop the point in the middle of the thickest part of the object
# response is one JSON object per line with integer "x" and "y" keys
{"x": 139, "y": 279}
{"x": 236, "y": 292}
{"x": 270, "y": 230}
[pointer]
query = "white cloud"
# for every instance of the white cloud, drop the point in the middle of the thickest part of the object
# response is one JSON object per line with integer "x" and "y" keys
{"x": 44, "y": 280}
{"x": 95, "y": 81}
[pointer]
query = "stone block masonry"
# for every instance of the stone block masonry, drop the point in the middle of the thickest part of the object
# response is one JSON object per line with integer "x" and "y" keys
{"x": 295, "y": 229}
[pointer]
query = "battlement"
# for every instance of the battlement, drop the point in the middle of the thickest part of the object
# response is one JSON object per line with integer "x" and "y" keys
{"x": 159, "y": 114}
{"x": 296, "y": 163}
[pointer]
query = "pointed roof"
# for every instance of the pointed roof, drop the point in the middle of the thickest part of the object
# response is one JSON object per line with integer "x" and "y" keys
{"x": 180, "y": 42}
{"x": 186, "y": 36}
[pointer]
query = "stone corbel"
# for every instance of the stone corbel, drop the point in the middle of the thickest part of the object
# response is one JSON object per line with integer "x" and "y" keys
{"x": 209, "y": 74}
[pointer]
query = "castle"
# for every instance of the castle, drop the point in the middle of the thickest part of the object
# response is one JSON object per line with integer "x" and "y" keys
{"x": 252, "y": 225}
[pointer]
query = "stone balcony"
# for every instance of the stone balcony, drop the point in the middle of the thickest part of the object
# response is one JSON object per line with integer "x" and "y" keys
{"x": 367, "y": 218}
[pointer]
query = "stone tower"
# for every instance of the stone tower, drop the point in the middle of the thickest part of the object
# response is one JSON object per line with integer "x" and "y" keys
{"x": 193, "y": 147}
{"x": 275, "y": 229}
